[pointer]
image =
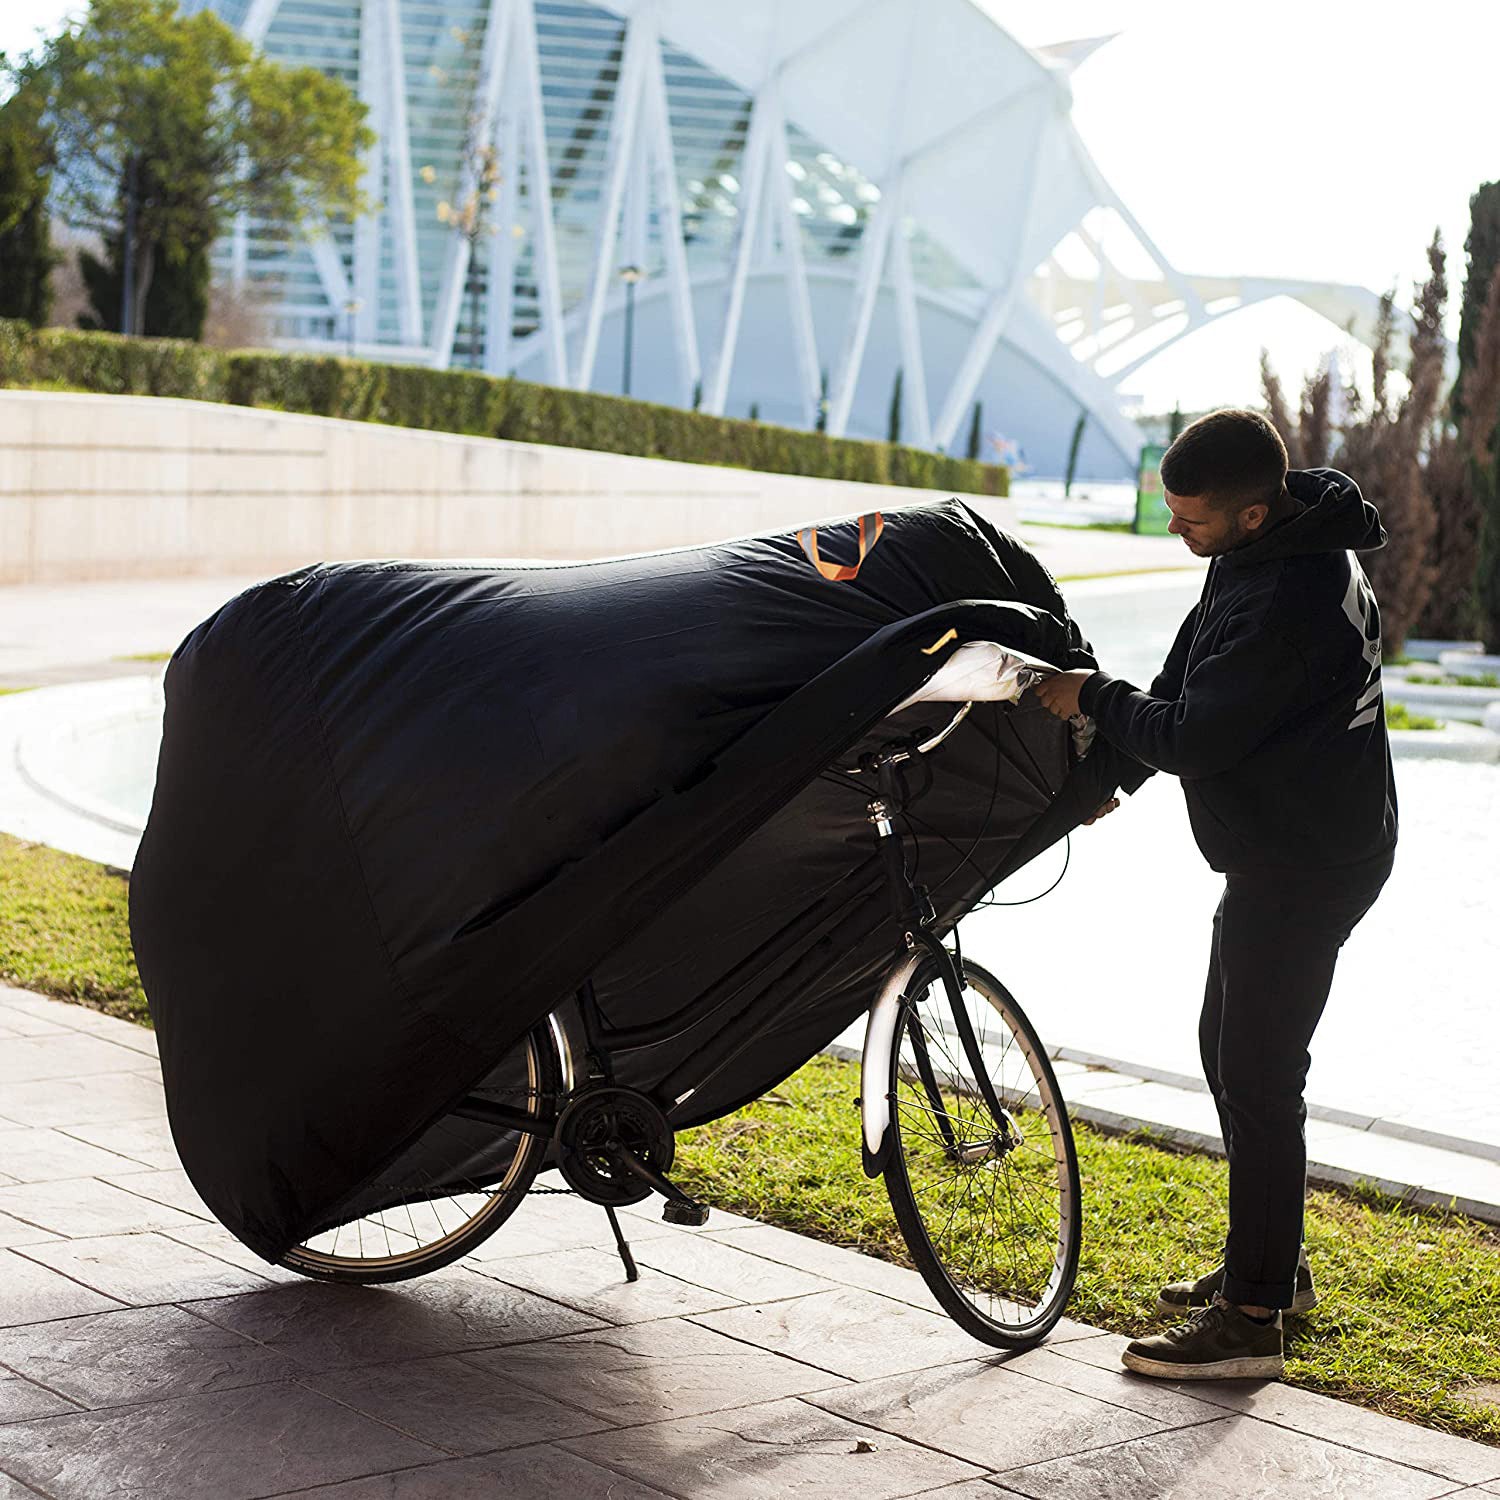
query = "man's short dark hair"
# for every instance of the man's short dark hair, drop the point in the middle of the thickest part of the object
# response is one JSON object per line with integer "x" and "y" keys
{"x": 1231, "y": 458}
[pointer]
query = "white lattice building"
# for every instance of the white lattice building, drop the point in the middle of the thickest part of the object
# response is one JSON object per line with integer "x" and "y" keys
{"x": 806, "y": 197}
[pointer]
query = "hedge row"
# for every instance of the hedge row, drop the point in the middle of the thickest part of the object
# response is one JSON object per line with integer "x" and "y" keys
{"x": 465, "y": 402}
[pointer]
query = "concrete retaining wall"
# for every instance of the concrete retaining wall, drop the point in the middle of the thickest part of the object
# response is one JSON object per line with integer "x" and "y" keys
{"x": 127, "y": 486}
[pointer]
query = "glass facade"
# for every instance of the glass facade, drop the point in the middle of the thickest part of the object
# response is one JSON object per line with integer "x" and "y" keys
{"x": 580, "y": 47}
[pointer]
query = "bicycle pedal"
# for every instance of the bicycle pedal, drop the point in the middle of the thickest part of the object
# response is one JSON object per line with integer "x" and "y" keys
{"x": 694, "y": 1214}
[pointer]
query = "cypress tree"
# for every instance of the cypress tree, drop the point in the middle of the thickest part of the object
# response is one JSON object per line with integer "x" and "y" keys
{"x": 894, "y": 432}
{"x": 1073, "y": 447}
{"x": 975, "y": 427}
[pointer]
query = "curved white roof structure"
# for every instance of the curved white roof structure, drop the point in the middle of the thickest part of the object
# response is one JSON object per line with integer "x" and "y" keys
{"x": 806, "y": 198}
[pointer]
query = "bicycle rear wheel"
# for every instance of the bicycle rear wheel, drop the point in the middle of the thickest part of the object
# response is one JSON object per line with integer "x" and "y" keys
{"x": 989, "y": 1207}
{"x": 429, "y": 1224}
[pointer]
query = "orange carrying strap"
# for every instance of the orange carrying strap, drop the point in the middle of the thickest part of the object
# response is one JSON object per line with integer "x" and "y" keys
{"x": 870, "y": 528}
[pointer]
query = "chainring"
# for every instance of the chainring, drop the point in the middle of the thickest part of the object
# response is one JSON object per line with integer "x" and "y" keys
{"x": 590, "y": 1122}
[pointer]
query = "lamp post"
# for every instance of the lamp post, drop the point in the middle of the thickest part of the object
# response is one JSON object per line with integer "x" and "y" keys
{"x": 629, "y": 275}
{"x": 351, "y": 309}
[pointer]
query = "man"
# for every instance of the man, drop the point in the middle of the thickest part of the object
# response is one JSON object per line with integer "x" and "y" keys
{"x": 1269, "y": 710}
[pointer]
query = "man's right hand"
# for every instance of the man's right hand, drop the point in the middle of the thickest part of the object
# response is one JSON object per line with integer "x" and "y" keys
{"x": 1103, "y": 811}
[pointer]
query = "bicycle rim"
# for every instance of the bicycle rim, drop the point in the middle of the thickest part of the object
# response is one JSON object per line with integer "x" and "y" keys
{"x": 430, "y": 1228}
{"x": 989, "y": 1207}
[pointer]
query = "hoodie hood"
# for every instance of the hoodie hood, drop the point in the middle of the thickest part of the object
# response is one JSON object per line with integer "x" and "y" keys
{"x": 1335, "y": 517}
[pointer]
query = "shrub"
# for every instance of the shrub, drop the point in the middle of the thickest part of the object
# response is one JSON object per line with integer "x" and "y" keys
{"x": 464, "y": 401}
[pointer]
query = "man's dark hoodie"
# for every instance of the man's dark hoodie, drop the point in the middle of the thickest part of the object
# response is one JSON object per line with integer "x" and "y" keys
{"x": 1269, "y": 706}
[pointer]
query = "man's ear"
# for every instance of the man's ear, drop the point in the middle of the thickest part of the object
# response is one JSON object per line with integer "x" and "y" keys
{"x": 1253, "y": 517}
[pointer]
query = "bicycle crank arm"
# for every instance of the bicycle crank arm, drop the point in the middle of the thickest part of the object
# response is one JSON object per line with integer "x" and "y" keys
{"x": 690, "y": 1210}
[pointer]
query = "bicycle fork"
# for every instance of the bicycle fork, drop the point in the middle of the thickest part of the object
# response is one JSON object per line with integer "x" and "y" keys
{"x": 888, "y": 1014}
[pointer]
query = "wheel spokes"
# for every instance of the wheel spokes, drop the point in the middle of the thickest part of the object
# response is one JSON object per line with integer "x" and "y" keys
{"x": 992, "y": 1193}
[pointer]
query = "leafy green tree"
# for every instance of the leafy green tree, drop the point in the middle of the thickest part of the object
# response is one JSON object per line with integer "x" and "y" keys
{"x": 26, "y": 254}
{"x": 165, "y": 126}
{"x": 893, "y": 433}
{"x": 976, "y": 427}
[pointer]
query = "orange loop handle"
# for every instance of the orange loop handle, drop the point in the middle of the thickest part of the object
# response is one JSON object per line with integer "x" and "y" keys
{"x": 870, "y": 527}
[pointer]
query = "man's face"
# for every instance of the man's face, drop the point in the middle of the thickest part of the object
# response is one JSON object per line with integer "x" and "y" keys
{"x": 1209, "y": 530}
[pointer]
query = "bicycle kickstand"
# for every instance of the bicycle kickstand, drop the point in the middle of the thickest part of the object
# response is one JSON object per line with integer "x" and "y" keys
{"x": 631, "y": 1272}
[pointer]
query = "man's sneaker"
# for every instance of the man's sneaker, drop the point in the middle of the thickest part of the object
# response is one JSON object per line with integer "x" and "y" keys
{"x": 1218, "y": 1342}
{"x": 1187, "y": 1296}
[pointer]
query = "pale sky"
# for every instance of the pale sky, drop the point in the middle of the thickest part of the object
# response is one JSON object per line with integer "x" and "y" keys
{"x": 1303, "y": 138}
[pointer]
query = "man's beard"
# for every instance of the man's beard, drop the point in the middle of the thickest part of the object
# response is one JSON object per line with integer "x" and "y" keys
{"x": 1238, "y": 534}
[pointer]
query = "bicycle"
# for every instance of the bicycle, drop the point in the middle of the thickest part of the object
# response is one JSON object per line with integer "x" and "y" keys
{"x": 960, "y": 1111}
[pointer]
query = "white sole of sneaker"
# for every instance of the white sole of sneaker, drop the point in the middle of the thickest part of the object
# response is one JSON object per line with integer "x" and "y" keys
{"x": 1301, "y": 1303}
{"x": 1257, "y": 1367}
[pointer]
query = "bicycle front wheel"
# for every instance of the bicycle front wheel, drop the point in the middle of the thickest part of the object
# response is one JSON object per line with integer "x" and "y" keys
{"x": 988, "y": 1205}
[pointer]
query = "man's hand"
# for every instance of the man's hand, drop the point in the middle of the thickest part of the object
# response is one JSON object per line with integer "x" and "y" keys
{"x": 1103, "y": 811}
{"x": 1059, "y": 693}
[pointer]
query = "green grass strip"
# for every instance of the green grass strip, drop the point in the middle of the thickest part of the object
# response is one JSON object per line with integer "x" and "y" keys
{"x": 64, "y": 930}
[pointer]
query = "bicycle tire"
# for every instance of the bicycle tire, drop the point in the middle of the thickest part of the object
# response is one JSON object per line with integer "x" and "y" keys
{"x": 942, "y": 1279}
{"x": 544, "y": 1073}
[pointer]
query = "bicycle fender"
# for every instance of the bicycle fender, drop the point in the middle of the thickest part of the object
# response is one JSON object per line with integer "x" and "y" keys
{"x": 875, "y": 1064}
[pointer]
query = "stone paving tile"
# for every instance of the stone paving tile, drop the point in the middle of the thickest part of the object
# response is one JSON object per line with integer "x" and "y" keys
{"x": 530, "y": 1474}
{"x": 140, "y": 1039}
{"x": 545, "y": 1222}
{"x": 23, "y": 1020}
{"x": 148, "y": 1141}
{"x": 64, "y": 1054}
{"x": 145, "y": 1269}
{"x": 848, "y": 1332}
{"x": 454, "y": 1405}
{"x": 833, "y": 1261}
{"x": 30, "y": 1293}
{"x": 138, "y": 1354}
{"x": 1356, "y": 1427}
{"x": 167, "y": 1185}
{"x": 594, "y": 1282}
{"x": 851, "y": 1268}
{"x": 650, "y": 1372}
{"x": 196, "y": 1446}
{"x": 29, "y": 1154}
{"x": 331, "y": 1327}
{"x": 982, "y": 1413}
{"x": 1173, "y": 1403}
{"x": 218, "y": 1242}
{"x": 13, "y": 1489}
{"x": 968, "y": 1489}
{"x": 20, "y": 1399}
{"x": 1237, "y": 1458}
{"x": 85, "y": 1206}
{"x": 19, "y": 1232}
{"x": 82, "y": 1101}
{"x": 12, "y": 1026}
{"x": 769, "y": 1451}
{"x": 722, "y": 1268}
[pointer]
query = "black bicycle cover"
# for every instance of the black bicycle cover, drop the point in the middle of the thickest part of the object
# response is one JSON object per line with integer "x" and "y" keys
{"x": 403, "y": 809}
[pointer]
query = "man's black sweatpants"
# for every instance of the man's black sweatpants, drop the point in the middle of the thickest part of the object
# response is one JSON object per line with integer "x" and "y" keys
{"x": 1276, "y": 940}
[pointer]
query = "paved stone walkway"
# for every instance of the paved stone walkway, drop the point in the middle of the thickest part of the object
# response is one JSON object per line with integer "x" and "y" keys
{"x": 144, "y": 1352}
